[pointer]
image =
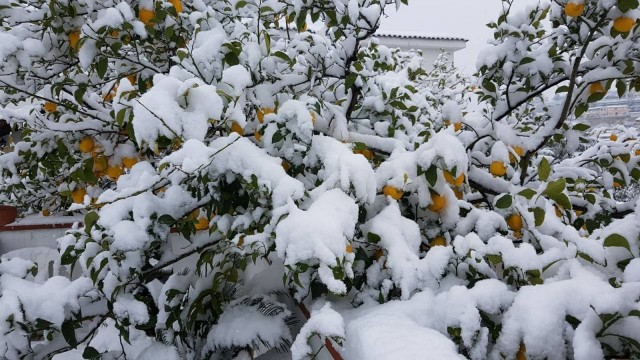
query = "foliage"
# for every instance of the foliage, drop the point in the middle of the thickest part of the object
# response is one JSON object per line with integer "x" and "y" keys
{"x": 231, "y": 155}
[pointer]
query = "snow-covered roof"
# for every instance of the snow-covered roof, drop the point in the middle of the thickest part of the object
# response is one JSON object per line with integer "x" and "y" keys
{"x": 418, "y": 36}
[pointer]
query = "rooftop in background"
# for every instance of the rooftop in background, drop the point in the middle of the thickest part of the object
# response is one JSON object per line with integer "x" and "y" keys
{"x": 405, "y": 35}
{"x": 430, "y": 45}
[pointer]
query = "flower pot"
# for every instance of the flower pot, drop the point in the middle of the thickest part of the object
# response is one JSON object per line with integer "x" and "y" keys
{"x": 7, "y": 214}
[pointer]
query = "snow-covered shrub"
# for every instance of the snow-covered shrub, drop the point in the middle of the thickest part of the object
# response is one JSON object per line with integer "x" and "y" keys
{"x": 232, "y": 158}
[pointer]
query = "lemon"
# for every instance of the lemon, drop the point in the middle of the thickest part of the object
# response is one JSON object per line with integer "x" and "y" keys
{"x": 177, "y": 4}
{"x": 514, "y": 221}
{"x": 497, "y": 168}
{"x": 262, "y": 112}
{"x": 596, "y": 88}
{"x": 145, "y": 15}
{"x": 395, "y": 193}
{"x": 78, "y": 195}
{"x": 74, "y": 39}
{"x": 202, "y": 224}
{"x": 86, "y": 144}
{"x": 286, "y": 166}
{"x": 453, "y": 181}
{"x": 236, "y": 128}
{"x": 128, "y": 162}
{"x": 114, "y": 172}
{"x": 438, "y": 202}
{"x": 438, "y": 241}
{"x": 50, "y": 107}
{"x": 100, "y": 163}
{"x": 367, "y": 153}
{"x": 573, "y": 9}
{"x": 624, "y": 24}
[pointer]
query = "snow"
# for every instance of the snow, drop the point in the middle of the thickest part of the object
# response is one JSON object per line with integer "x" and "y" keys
{"x": 324, "y": 322}
{"x": 319, "y": 234}
{"x": 297, "y": 215}
{"x": 232, "y": 331}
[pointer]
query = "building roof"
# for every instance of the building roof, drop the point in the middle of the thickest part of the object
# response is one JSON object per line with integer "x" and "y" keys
{"x": 417, "y": 36}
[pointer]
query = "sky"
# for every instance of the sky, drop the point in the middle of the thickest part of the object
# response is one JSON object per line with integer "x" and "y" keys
{"x": 460, "y": 18}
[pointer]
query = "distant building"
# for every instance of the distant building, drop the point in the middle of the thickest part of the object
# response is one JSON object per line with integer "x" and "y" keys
{"x": 431, "y": 46}
{"x": 607, "y": 111}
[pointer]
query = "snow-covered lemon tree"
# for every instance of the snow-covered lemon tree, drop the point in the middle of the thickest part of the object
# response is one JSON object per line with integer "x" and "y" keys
{"x": 235, "y": 158}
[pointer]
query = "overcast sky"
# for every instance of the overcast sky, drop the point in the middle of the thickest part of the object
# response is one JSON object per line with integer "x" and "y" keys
{"x": 460, "y": 18}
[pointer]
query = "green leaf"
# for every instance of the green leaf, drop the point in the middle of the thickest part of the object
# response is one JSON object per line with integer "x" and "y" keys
{"x": 626, "y": 5}
{"x": 555, "y": 188}
{"x": 581, "y": 127}
{"x": 528, "y": 193}
{"x": 431, "y": 175}
{"x": 277, "y": 137}
{"x": 580, "y": 109}
{"x": 373, "y": 238}
{"x": 621, "y": 87}
{"x": 538, "y": 214}
{"x": 90, "y": 220}
{"x": 283, "y": 56}
{"x": 267, "y": 41}
{"x": 494, "y": 259}
{"x": 504, "y": 202}
{"x": 90, "y": 353}
{"x": 544, "y": 169}
{"x": 563, "y": 200}
{"x": 68, "y": 332}
{"x": 617, "y": 240}
{"x": 101, "y": 67}
{"x": 166, "y": 219}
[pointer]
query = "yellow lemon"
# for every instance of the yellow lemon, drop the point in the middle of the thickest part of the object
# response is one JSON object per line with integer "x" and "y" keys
{"x": 514, "y": 221}
{"x": 177, "y": 4}
{"x": 74, "y": 39}
{"x": 202, "y": 224}
{"x": 624, "y": 24}
{"x": 114, "y": 172}
{"x": 453, "y": 181}
{"x": 438, "y": 202}
{"x": 100, "y": 163}
{"x": 349, "y": 249}
{"x": 573, "y": 9}
{"x": 86, "y": 144}
{"x": 236, "y": 128}
{"x": 128, "y": 162}
{"x": 438, "y": 241}
{"x": 395, "y": 193}
{"x": 145, "y": 15}
{"x": 78, "y": 195}
{"x": 497, "y": 168}
{"x": 262, "y": 112}
{"x": 596, "y": 88}
{"x": 458, "y": 193}
{"x": 286, "y": 166}
{"x": 50, "y": 107}
{"x": 367, "y": 153}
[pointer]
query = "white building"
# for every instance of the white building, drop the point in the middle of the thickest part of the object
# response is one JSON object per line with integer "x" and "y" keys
{"x": 431, "y": 46}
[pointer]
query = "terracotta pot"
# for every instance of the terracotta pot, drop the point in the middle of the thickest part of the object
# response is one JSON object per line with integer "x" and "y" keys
{"x": 7, "y": 214}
